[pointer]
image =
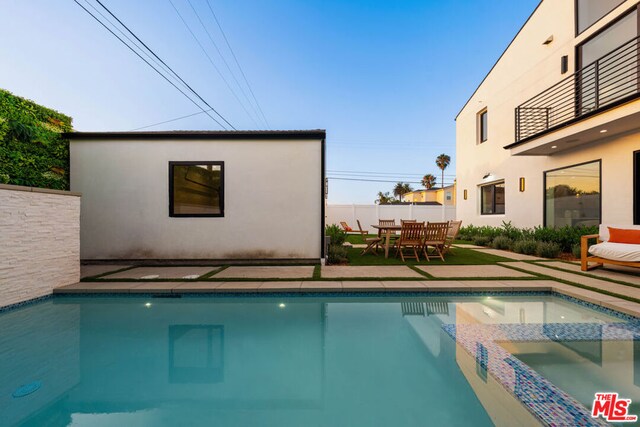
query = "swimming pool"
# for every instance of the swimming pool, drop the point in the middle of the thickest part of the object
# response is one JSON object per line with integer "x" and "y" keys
{"x": 325, "y": 360}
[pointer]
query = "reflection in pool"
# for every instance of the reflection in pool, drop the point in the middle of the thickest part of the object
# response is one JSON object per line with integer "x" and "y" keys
{"x": 313, "y": 361}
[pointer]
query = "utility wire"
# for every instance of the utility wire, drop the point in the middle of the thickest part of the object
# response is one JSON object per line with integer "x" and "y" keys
{"x": 171, "y": 69}
{"x": 233, "y": 75}
{"x": 148, "y": 63}
{"x": 211, "y": 61}
{"x": 168, "y": 121}
{"x": 377, "y": 180}
{"x": 237, "y": 63}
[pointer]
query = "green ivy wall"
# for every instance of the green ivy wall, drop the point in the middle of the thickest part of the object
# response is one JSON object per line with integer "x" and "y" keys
{"x": 32, "y": 150}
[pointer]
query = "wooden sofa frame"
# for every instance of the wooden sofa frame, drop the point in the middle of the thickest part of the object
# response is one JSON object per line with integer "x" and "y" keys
{"x": 585, "y": 258}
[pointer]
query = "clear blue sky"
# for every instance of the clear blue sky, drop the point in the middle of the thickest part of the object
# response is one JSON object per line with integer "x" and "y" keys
{"x": 385, "y": 78}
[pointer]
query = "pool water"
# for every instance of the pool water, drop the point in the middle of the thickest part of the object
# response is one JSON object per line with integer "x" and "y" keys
{"x": 311, "y": 360}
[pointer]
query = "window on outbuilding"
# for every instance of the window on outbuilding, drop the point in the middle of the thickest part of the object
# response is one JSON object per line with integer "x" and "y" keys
{"x": 492, "y": 199}
{"x": 196, "y": 189}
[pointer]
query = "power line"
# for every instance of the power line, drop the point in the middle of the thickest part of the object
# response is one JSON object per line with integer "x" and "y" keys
{"x": 211, "y": 61}
{"x": 379, "y": 180}
{"x": 148, "y": 63}
{"x": 168, "y": 121}
{"x": 381, "y": 173}
{"x": 237, "y": 63}
{"x": 233, "y": 75}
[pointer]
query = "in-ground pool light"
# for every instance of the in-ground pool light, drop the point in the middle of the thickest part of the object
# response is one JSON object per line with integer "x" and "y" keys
{"x": 27, "y": 389}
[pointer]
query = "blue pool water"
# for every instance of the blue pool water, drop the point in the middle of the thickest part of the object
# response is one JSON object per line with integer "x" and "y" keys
{"x": 312, "y": 361}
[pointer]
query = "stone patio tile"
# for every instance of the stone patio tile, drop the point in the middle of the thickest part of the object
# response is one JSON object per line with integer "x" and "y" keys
{"x": 292, "y": 286}
{"x": 239, "y": 287}
{"x": 324, "y": 286}
{"x": 599, "y": 272}
{"x": 530, "y": 285}
{"x": 577, "y": 278}
{"x": 475, "y": 271}
{"x": 371, "y": 285}
{"x": 94, "y": 270}
{"x": 627, "y": 307}
{"x": 267, "y": 272}
{"x": 404, "y": 285}
{"x": 467, "y": 246}
{"x": 445, "y": 286}
{"x": 584, "y": 294}
{"x": 509, "y": 254}
{"x": 350, "y": 271}
{"x": 153, "y": 287}
{"x": 161, "y": 273}
{"x": 196, "y": 287}
{"x": 96, "y": 288}
{"x": 486, "y": 285}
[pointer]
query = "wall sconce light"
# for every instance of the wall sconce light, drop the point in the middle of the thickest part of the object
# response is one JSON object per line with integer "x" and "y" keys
{"x": 522, "y": 184}
{"x": 464, "y": 194}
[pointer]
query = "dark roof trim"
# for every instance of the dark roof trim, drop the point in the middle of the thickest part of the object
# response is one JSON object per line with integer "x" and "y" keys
{"x": 199, "y": 134}
{"x": 501, "y": 55}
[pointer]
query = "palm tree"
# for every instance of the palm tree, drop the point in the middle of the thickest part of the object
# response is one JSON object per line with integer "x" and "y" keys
{"x": 442, "y": 161}
{"x": 400, "y": 189}
{"x": 429, "y": 181}
{"x": 383, "y": 198}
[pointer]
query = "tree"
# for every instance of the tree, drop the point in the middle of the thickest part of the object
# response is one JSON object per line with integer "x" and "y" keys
{"x": 442, "y": 161}
{"x": 384, "y": 198}
{"x": 401, "y": 189}
{"x": 429, "y": 181}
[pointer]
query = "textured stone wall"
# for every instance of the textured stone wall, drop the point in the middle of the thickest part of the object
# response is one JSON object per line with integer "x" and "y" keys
{"x": 39, "y": 242}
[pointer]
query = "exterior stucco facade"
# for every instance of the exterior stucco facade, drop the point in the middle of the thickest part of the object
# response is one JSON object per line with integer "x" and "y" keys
{"x": 273, "y": 197}
{"x": 530, "y": 65}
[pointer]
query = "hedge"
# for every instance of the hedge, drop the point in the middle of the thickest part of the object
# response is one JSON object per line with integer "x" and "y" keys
{"x": 32, "y": 150}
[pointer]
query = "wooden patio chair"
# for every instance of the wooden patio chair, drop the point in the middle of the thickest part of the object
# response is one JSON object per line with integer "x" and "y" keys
{"x": 371, "y": 242}
{"x": 452, "y": 235}
{"x": 346, "y": 227}
{"x": 411, "y": 237}
{"x": 435, "y": 235}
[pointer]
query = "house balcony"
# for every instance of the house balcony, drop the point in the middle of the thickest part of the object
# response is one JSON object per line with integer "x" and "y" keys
{"x": 593, "y": 104}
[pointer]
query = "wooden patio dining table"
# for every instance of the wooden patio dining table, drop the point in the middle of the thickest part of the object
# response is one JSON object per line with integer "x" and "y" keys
{"x": 386, "y": 230}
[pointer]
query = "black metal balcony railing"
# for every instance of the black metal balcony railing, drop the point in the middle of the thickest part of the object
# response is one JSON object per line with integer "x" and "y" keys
{"x": 610, "y": 80}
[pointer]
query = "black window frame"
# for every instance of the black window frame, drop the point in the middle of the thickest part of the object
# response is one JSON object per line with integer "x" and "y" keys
{"x": 544, "y": 187}
{"x": 493, "y": 184}
{"x": 576, "y": 16}
{"x": 171, "y": 189}
{"x": 483, "y": 126}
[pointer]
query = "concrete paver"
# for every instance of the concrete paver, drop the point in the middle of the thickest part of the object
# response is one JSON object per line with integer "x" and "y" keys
{"x": 384, "y": 271}
{"x": 96, "y": 287}
{"x": 161, "y": 273}
{"x": 280, "y": 286}
{"x": 577, "y": 278}
{"x": 509, "y": 254}
{"x": 402, "y": 285}
{"x": 95, "y": 270}
{"x": 605, "y": 273}
{"x": 267, "y": 272}
{"x": 324, "y": 286}
{"x": 459, "y": 271}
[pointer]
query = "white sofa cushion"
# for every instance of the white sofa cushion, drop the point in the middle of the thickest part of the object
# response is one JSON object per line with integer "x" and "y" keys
{"x": 616, "y": 251}
{"x": 604, "y": 230}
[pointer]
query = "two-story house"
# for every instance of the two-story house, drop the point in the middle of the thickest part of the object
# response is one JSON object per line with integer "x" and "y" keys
{"x": 552, "y": 134}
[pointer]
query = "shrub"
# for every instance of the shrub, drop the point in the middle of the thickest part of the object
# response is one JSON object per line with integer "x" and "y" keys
{"x": 481, "y": 240}
{"x": 337, "y": 235}
{"x": 501, "y": 242}
{"x": 525, "y": 246}
{"x": 548, "y": 250}
{"x": 337, "y": 254}
{"x": 576, "y": 250}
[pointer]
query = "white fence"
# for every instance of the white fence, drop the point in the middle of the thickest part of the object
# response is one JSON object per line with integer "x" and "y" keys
{"x": 370, "y": 214}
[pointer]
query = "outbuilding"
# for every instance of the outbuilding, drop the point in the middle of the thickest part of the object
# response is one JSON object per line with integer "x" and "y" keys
{"x": 200, "y": 195}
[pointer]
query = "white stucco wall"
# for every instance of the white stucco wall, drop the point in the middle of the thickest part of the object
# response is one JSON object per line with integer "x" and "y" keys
{"x": 527, "y": 68}
{"x": 39, "y": 242}
{"x": 370, "y": 214}
{"x": 272, "y": 199}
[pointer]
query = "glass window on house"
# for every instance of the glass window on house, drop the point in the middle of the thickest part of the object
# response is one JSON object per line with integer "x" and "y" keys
{"x": 196, "y": 189}
{"x": 591, "y": 11}
{"x": 572, "y": 196}
{"x": 492, "y": 199}
{"x": 482, "y": 126}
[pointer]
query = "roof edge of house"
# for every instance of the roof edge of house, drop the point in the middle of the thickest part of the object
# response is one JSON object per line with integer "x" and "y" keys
{"x": 499, "y": 58}
{"x": 201, "y": 134}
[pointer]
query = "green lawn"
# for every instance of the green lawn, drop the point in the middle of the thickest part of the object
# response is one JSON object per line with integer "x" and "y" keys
{"x": 457, "y": 256}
